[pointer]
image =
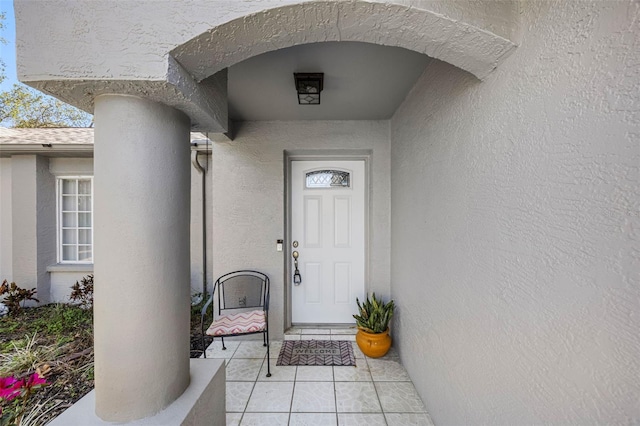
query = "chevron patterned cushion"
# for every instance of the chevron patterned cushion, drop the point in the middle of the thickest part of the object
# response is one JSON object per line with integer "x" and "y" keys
{"x": 244, "y": 322}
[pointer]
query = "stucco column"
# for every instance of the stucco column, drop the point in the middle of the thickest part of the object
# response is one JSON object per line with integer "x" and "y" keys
{"x": 141, "y": 231}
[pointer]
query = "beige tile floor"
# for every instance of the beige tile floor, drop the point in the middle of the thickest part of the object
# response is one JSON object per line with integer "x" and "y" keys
{"x": 375, "y": 392}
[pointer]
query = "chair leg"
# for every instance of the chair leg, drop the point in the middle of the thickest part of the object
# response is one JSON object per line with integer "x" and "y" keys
{"x": 224, "y": 348}
{"x": 266, "y": 338}
{"x": 204, "y": 350}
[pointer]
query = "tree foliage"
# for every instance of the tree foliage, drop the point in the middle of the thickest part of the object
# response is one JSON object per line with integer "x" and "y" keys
{"x": 25, "y": 107}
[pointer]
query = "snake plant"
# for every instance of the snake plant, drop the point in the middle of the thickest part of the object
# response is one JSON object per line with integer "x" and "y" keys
{"x": 374, "y": 315}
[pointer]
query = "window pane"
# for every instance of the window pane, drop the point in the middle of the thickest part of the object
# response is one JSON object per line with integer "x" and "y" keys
{"x": 68, "y": 186}
{"x": 84, "y": 219}
{"x": 84, "y": 253}
{"x": 69, "y": 236}
{"x": 75, "y": 233}
{"x": 84, "y": 236}
{"x": 328, "y": 179}
{"x": 69, "y": 220}
{"x": 69, "y": 203}
{"x": 84, "y": 187}
{"x": 69, "y": 253}
{"x": 84, "y": 203}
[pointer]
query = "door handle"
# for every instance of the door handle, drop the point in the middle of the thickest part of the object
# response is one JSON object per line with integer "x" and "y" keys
{"x": 297, "y": 278}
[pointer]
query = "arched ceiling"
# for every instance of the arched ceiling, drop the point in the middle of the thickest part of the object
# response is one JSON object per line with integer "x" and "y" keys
{"x": 361, "y": 82}
{"x": 263, "y": 49}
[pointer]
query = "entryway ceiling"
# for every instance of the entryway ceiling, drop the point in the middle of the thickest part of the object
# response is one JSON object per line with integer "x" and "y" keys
{"x": 362, "y": 81}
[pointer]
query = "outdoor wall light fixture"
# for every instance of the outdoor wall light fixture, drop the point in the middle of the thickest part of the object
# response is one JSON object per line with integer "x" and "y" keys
{"x": 308, "y": 86}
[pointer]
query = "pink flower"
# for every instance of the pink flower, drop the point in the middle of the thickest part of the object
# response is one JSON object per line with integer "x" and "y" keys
{"x": 10, "y": 388}
{"x": 5, "y": 382}
{"x": 34, "y": 380}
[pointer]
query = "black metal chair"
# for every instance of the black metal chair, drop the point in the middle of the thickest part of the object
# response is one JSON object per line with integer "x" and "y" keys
{"x": 243, "y": 308}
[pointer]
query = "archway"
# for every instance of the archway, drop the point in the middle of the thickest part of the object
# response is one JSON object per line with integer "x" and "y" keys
{"x": 466, "y": 46}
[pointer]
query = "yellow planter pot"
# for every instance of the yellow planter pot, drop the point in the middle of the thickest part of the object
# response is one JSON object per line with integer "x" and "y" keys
{"x": 373, "y": 345}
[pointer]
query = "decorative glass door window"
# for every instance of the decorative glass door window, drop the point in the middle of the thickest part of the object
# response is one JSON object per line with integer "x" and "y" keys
{"x": 328, "y": 179}
{"x": 75, "y": 221}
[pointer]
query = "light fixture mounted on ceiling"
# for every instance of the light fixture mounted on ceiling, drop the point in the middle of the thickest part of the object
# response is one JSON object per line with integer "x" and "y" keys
{"x": 309, "y": 86}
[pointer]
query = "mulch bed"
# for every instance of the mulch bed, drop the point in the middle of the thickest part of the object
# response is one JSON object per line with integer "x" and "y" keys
{"x": 196, "y": 349}
{"x": 71, "y": 374}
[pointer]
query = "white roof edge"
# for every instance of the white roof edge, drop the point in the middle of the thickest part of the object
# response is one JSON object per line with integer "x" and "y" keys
{"x": 63, "y": 136}
{"x": 7, "y": 150}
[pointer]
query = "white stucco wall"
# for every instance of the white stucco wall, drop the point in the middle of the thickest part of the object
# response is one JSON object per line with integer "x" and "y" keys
{"x": 515, "y": 226}
{"x": 165, "y": 51}
{"x": 126, "y": 43}
{"x": 28, "y": 244}
{"x": 33, "y": 220}
{"x": 141, "y": 249}
{"x": 6, "y": 236}
{"x": 62, "y": 277}
{"x": 248, "y": 197}
{"x": 46, "y": 226}
{"x": 55, "y": 280}
{"x": 71, "y": 166}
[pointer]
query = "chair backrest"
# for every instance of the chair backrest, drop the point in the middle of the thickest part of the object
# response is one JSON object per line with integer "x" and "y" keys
{"x": 242, "y": 290}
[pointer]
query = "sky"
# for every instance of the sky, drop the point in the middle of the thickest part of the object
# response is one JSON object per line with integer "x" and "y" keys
{"x": 8, "y": 51}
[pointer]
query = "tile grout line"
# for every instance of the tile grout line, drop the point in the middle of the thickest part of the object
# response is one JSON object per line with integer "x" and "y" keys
{"x": 250, "y": 393}
{"x": 365, "y": 361}
{"x": 293, "y": 391}
{"x": 252, "y": 388}
{"x": 375, "y": 389}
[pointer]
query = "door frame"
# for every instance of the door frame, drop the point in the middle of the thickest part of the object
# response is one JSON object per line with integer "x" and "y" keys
{"x": 322, "y": 155}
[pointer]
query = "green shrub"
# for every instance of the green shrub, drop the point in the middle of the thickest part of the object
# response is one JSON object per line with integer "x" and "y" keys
{"x": 67, "y": 318}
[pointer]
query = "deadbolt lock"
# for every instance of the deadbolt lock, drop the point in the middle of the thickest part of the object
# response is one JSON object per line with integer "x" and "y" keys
{"x": 295, "y": 244}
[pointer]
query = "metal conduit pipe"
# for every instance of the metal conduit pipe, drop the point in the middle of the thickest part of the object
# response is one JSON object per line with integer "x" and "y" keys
{"x": 202, "y": 171}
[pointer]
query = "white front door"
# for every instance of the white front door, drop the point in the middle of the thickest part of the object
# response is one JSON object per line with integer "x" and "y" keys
{"x": 328, "y": 227}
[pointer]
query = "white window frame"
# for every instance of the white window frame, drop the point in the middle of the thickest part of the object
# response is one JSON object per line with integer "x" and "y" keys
{"x": 59, "y": 248}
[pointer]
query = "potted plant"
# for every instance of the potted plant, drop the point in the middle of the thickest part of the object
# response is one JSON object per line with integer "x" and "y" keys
{"x": 373, "y": 326}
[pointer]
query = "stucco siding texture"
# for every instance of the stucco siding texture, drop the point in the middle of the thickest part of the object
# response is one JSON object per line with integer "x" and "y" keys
{"x": 127, "y": 43}
{"x": 177, "y": 52}
{"x": 52, "y": 280}
{"x": 6, "y": 234}
{"x": 248, "y": 197}
{"x": 516, "y": 226}
{"x": 46, "y": 226}
{"x": 24, "y": 220}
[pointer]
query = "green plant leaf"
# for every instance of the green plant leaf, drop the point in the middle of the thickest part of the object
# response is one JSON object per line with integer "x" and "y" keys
{"x": 374, "y": 315}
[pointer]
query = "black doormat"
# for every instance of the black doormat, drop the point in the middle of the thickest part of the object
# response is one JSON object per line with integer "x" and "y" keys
{"x": 316, "y": 352}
